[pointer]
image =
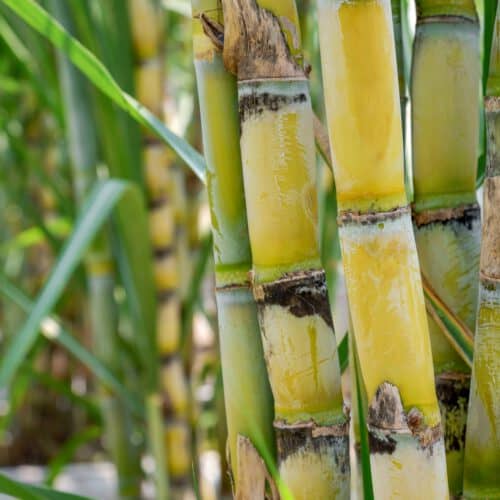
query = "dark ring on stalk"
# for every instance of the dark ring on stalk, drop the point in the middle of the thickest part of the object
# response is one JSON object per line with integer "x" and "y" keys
{"x": 445, "y": 18}
{"x": 465, "y": 214}
{"x": 292, "y": 438}
{"x": 452, "y": 389}
{"x": 167, "y": 359}
{"x": 370, "y": 218}
{"x": 303, "y": 293}
{"x": 256, "y": 102}
{"x": 155, "y": 204}
{"x": 489, "y": 281}
{"x": 161, "y": 253}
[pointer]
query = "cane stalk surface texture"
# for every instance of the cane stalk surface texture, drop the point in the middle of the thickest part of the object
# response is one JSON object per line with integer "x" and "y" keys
{"x": 445, "y": 87}
{"x": 248, "y": 399}
{"x": 379, "y": 251}
{"x": 262, "y": 47}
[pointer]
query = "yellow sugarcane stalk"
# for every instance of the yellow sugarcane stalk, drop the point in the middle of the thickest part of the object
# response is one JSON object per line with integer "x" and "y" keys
{"x": 445, "y": 88}
{"x": 262, "y": 47}
{"x": 147, "y": 25}
{"x": 247, "y": 394}
{"x": 379, "y": 251}
{"x": 482, "y": 451}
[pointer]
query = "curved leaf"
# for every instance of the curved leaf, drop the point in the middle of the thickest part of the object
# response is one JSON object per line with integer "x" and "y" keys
{"x": 55, "y": 331}
{"x": 29, "y": 492}
{"x": 132, "y": 218}
{"x": 94, "y": 70}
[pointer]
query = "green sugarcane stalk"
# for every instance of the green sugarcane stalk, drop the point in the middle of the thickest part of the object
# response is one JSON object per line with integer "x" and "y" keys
{"x": 482, "y": 446}
{"x": 99, "y": 268}
{"x": 247, "y": 394}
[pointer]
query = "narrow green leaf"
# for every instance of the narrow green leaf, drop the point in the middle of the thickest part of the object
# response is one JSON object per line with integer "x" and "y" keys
{"x": 54, "y": 330}
{"x": 454, "y": 329}
{"x": 67, "y": 452}
{"x": 44, "y": 23}
{"x": 490, "y": 10}
{"x": 363, "y": 426}
{"x": 343, "y": 350}
{"x": 132, "y": 217}
{"x": 25, "y": 491}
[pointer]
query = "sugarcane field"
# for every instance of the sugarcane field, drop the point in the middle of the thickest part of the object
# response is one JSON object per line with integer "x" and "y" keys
{"x": 250, "y": 249}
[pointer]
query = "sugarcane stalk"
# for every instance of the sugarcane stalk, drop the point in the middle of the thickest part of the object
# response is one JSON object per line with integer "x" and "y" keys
{"x": 247, "y": 394}
{"x": 482, "y": 446}
{"x": 99, "y": 269}
{"x": 447, "y": 220}
{"x": 148, "y": 41}
{"x": 378, "y": 247}
{"x": 262, "y": 47}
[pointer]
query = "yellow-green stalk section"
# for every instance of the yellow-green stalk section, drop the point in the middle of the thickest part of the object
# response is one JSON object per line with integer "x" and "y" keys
{"x": 262, "y": 46}
{"x": 482, "y": 452}
{"x": 147, "y": 23}
{"x": 248, "y": 399}
{"x": 445, "y": 88}
{"x": 379, "y": 251}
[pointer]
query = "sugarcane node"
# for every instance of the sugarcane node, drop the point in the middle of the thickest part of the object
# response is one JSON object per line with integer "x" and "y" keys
{"x": 255, "y": 103}
{"x": 322, "y": 439}
{"x": 232, "y": 287}
{"x": 164, "y": 296}
{"x": 254, "y": 45}
{"x": 303, "y": 293}
{"x": 157, "y": 203}
{"x": 380, "y": 443}
{"x": 490, "y": 251}
{"x": 213, "y": 30}
{"x": 452, "y": 390}
{"x": 465, "y": 215}
{"x": 386, "y": 410}
{"x": 371, "y": 218}
{"x": 444, "y": 18}
{"x": 168, "y": 358}
{"x": 161, "y": 253}
{"x": 167, "y": 408}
